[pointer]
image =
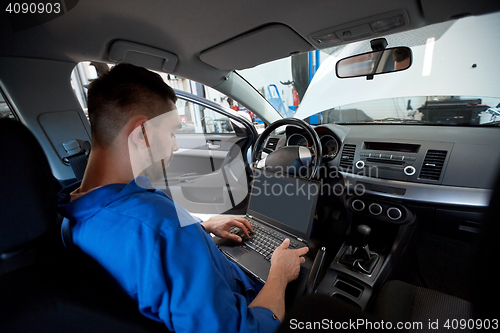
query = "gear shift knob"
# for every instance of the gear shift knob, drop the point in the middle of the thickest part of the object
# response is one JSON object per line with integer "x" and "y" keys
{"x": 364, "y": 231}
{"x": 358, "y": 255}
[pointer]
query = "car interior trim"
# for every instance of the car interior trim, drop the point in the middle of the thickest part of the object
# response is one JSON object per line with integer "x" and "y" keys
{"x": 428, "y": 193}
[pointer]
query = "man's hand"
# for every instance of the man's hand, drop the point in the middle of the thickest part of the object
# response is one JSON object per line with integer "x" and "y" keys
{"x": 285, "y": 267}
{"x": 287, "y": 262}
{"x": 220, "y": 225}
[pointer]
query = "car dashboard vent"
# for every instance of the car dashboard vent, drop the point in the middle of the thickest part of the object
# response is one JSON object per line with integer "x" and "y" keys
{"x": 272, "y": 143}
{"x": 433, "y": 164}
{"x": 347, "y": 157}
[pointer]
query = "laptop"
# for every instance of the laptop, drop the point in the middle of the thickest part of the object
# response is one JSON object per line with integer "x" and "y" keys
{"x": 280, "y": 207}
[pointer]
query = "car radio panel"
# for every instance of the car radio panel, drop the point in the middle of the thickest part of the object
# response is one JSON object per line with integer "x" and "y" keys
{"x": 401, "y": 161}
{"x": 386, "y": 165}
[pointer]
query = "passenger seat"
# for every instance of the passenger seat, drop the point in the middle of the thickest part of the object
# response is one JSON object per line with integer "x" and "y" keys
{"x": 28, "y": 207}
{"x": 400, "y": 302}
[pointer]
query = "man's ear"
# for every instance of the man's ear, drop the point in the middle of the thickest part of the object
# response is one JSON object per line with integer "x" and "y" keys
{"x": 138, "y": 136}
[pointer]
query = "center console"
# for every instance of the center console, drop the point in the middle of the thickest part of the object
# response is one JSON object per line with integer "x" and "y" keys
{"x": 440, "y": 176}
{"x": 380, "y": 231}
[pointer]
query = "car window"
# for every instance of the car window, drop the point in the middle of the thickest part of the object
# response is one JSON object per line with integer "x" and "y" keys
{"x": 5, "y": 110}
{"x": 82, "y": 75}
{"x": 197, "y": 118}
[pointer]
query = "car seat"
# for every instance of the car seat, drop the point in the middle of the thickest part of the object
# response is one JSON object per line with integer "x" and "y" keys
{"x": 43, "y": 286}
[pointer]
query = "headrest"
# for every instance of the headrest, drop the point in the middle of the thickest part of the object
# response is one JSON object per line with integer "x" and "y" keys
{"x": 28, "y": 204}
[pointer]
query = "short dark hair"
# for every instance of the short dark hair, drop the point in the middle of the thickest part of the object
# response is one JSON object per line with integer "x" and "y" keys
{"x": 400, "y": 54}
{"x": 126, "y": 90}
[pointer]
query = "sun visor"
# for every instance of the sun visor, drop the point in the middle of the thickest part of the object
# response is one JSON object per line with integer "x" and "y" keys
{"x": 438, "y": 11}
{"x": 142, "y": 55}
{"x": 253, "y": 48}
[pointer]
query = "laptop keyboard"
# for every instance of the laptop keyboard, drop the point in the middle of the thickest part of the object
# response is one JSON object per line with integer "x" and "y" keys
{"x": 263, "y": 240}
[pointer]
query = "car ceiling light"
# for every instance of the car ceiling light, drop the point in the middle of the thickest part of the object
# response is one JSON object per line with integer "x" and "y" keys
{"x": 363, "y": 28}
{"x": 329, "y": 38}
{"x": 429, "y": 52}
{"x": 388, "y": 24}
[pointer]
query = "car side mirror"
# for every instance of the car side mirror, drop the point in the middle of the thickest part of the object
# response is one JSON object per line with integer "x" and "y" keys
{"x": 376, "y": 62}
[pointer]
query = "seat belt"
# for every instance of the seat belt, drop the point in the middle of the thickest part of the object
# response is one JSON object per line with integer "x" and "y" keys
{"x": 79, "y": 151}
{"x": 78, "y": 163}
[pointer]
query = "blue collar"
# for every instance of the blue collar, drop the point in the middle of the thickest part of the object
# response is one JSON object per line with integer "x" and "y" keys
{"x": 92, "y": 202}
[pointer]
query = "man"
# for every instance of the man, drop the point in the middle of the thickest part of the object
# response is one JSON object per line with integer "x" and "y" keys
{"x": 402, "y": 58}
{"x": 155, "y": 249}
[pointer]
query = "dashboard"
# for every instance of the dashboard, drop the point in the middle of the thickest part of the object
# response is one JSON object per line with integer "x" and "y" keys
{"x": 418, "y": 182}
{"x": 433, "y": 164}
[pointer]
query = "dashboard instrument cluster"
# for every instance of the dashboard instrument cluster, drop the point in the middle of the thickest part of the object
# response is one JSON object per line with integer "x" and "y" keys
{"x": 329, "y": 143}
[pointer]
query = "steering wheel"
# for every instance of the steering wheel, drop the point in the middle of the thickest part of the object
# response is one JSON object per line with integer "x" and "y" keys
{"x": 290, "y": 157}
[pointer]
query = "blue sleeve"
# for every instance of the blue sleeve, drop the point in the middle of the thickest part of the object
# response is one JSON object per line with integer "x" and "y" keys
{"x": 187, "y": 287}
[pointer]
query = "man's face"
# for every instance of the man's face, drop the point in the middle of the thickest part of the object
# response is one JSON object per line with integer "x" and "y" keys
{"x": 162, "y": 139}
{"x": 172, "y": 124}
{"x": 160, "y": 135}
{"x": 402, "y": 64}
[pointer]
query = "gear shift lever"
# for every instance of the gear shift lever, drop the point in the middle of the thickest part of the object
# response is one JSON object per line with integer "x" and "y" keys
{"x": 358, "y": 256}
{"x": 364, "y": 231}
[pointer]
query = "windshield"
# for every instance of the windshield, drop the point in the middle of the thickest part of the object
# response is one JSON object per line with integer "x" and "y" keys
{"x": 452, "y": 80}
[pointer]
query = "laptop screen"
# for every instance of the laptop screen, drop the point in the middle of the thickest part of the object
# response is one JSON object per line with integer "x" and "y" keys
{"x": 286, "y": 202}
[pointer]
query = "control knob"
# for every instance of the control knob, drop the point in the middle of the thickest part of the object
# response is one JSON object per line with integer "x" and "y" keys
{"x": 358, "y": 205}
{"x": 360, "y": 164}
{"x": 394, "y": 213}
{"x": 409, "y": 170}
{"x": 375, "y": 209}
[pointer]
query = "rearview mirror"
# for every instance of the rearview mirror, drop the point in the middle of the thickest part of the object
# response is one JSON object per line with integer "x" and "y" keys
{"x": 377, "y": 62}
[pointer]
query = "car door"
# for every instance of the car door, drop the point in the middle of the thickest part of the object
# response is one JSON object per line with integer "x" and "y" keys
{"x": 210, "y": 171}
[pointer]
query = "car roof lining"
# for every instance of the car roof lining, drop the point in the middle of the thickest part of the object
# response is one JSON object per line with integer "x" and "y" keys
{"x": 404, "y": 38}
{"x": 189, "y": 28}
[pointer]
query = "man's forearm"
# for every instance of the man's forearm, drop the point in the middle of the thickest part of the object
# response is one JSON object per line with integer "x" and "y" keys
{"x": 272, "y": 295}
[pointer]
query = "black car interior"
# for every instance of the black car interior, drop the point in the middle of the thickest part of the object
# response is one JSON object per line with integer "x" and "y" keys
{"x": 406, "y": 232}
{"x": 47, "y": 287}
